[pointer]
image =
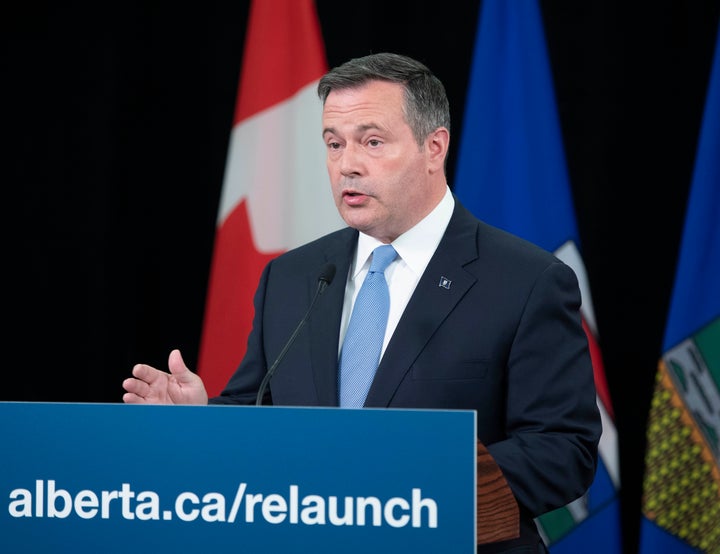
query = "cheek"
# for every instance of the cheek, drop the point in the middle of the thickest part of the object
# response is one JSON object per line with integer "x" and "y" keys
{"x": 332, "y": 162}
{"x": 333, "y": 175}
{"x": 335, "y": 179}
{"x": 332, "y": 171}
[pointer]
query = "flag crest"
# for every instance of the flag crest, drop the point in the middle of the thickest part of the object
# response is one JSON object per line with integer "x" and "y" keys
{"x": 681, "y": 486}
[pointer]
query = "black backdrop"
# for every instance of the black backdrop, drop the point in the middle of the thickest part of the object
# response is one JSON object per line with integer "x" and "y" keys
{"x": 118, "y": 118}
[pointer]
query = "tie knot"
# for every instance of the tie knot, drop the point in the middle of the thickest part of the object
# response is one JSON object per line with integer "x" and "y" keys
{"x": 382, "y": 257}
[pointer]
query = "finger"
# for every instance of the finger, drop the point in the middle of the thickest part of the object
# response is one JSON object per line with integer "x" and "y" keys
{"x": 132, "y": 398}
{"x": 177, "y": 367}
{"x": 147, "y": 373}
{"x": 136, "y": 387}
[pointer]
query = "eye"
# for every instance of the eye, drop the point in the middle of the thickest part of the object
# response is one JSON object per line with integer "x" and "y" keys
{"x": 333, "y": 145}
{"x": 374, "y": 143}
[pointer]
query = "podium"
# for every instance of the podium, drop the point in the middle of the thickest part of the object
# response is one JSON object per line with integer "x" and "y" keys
{"x": 130, "y": 478}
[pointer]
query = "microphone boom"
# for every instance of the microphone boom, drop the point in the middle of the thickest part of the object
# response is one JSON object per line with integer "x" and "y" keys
{"x": 324, "y": 279}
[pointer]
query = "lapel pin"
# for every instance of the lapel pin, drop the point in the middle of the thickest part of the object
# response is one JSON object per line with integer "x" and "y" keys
{"x": 444, "y": 283}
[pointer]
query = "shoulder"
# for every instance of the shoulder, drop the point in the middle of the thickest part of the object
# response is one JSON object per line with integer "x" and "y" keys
{"x": 504, "y": 253}
{"x": 308, "y": 259}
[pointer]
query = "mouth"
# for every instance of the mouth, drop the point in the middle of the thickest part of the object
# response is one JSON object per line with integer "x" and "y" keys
{"x": 353, "y": 197}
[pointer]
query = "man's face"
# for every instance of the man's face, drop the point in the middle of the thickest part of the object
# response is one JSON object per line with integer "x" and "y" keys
{"x": 380, "y": 176}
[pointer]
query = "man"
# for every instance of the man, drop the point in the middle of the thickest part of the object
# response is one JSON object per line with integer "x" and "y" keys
{"x": 478, "y": 319}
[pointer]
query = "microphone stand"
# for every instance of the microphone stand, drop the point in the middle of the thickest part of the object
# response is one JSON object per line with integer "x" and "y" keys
{"x": 325, "y": 278}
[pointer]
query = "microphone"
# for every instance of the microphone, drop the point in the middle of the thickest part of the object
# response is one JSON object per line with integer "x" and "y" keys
{"x": 324, "y": 279}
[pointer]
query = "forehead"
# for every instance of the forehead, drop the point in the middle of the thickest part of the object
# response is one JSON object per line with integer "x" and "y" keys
{"x": 373, "y": 99}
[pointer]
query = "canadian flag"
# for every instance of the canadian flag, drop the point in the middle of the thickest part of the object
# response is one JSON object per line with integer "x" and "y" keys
{"x": 276, "y": 194}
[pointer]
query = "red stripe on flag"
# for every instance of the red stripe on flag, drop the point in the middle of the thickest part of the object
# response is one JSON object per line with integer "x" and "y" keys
{"x": 283, "y": 53}
{"x": 599, "y": 371}
{"x": 236, "y": 269}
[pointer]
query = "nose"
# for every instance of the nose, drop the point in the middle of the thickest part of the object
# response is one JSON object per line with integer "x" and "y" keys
{"x": 350, "y": 161}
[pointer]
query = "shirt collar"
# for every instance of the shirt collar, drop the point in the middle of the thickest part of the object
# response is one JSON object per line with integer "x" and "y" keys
{"x": 412, "y": 245}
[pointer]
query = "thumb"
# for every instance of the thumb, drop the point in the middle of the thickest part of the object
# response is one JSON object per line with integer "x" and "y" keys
{"x": 177, "y": 366}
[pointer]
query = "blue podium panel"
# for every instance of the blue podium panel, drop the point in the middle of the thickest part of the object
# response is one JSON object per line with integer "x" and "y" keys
{"x": 90, "y": 478}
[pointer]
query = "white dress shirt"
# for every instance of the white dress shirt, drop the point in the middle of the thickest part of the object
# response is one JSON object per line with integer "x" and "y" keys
{"x": 415, "y": 247}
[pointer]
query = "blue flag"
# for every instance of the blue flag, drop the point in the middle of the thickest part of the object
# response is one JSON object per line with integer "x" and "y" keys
{"x": 681, "y": 486}
{"x": 512, "y": 173}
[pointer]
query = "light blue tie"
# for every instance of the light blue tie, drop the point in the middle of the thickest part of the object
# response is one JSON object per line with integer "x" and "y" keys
{"x": 360, "y": 354}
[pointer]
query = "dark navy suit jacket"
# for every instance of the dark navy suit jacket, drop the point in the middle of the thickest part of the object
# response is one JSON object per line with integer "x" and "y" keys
{"x": 503, "y": 338}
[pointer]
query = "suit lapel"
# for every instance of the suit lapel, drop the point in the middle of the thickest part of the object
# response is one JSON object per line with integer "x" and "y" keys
{"x": 429, "y": 305}
{"x": 325, "y": 331}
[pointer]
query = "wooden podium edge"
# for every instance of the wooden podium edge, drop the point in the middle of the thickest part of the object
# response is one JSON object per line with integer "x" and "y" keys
{"x": 498, "y": 515}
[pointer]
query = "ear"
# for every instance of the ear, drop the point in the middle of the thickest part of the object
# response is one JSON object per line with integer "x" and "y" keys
{"x": 438, "y": 143}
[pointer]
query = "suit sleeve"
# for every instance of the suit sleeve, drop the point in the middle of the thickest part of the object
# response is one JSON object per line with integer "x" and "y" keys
{"x": 243, "y": 385}
{"x": 553, "y": 426}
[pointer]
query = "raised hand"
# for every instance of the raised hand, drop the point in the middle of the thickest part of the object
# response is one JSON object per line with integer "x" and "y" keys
{"x": 149, "y": 385}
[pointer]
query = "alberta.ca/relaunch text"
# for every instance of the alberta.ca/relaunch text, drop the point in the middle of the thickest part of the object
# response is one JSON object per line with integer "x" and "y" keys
{"x": 48, "y": 500}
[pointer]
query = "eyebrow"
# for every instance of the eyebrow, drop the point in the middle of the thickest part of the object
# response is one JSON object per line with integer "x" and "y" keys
{"x": 360, "y": 128}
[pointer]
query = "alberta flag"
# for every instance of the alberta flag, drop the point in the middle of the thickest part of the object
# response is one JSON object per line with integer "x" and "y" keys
{"x": 511, "y": 173}
{"x": 681, "y": 486}
{"x": 276, "y": 193}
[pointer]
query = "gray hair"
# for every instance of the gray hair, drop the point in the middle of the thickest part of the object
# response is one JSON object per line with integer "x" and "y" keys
{"x": 426, "y": 104}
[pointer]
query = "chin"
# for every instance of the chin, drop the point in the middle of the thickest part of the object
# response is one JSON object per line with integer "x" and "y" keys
{"x": 353, "y": 218}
